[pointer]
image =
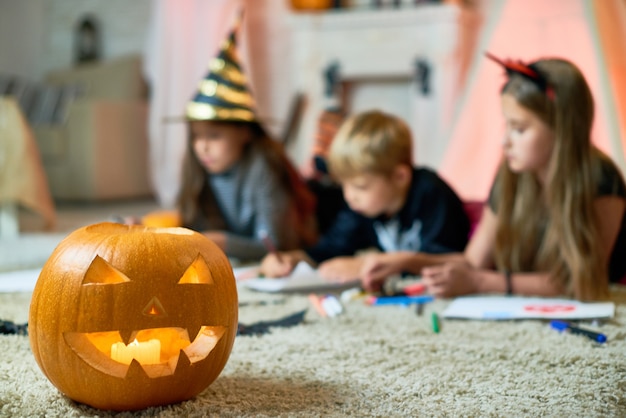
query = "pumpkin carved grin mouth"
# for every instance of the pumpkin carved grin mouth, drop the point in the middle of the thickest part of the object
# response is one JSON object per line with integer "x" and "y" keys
{"x": 177, "y": 350}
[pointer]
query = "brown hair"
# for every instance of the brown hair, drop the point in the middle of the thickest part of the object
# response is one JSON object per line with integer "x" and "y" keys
{"x": 553, "y": 227}
{"x": 196, "y": 198}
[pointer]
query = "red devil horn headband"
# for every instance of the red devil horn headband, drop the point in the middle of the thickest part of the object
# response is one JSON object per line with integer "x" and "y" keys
{"x": 527, "y": 71}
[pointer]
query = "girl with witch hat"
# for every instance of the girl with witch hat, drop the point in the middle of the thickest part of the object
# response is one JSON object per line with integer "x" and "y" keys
{"x": 238, "y": 186}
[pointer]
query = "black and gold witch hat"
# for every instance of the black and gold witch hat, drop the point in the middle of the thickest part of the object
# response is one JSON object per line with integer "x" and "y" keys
{"x": 223, "y": 93}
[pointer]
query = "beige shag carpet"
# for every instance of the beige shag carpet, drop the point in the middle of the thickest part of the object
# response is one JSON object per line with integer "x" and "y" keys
{"x": 382, "y": 361}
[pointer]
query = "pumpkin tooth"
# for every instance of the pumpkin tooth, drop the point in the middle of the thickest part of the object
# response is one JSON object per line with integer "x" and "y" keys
{"x": 204, "y": 343}
{"x": 135, "y": 371}
{"x": 183, "y": 361}
{"x": 127, "y": 336}
{"x": 193, "y": 332}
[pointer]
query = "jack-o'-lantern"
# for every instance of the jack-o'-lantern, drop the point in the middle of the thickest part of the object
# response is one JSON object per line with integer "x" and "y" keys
{"x": 126, "y": 317}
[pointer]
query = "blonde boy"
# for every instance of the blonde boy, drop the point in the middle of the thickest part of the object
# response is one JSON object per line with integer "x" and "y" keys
{"x": 393, "y": 207}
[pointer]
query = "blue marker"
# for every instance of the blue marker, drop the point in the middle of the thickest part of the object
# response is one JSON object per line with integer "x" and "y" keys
{"x": 399, "y": 300}
{"x": 564, "y": 326}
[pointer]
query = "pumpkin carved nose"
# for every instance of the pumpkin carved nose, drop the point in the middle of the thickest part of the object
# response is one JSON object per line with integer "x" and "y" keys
{"x": 154, "y": 308}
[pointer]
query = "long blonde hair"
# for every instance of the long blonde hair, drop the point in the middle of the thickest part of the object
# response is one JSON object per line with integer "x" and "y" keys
{"x": 553, "y": 228}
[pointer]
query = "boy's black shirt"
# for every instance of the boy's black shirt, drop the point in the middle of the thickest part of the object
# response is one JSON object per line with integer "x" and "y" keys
{"x": 442, "y": 224}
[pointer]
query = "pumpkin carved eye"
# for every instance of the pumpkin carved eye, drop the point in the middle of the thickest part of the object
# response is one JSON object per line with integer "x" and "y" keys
{"x": 101, "y": 272}
{"x": 197, "y": 273}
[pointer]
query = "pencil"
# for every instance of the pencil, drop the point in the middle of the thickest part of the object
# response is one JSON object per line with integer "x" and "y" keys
{"x": 269, "y": 245}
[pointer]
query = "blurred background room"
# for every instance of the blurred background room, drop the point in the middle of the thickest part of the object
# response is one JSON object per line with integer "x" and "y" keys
{"x": 92, "y": 91}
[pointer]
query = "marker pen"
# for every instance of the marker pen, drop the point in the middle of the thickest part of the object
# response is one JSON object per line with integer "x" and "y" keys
{"x": 399, "y": 300}
{"x": 564, "y": 326}
{"x": 331, "y": 305}
{"x": 414, "y": 289}
{"x": 434, "y": 321}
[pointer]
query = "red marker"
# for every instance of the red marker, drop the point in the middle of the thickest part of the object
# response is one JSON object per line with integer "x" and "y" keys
{"x": 317, "y": 304}
{"x": 414, "y": 289}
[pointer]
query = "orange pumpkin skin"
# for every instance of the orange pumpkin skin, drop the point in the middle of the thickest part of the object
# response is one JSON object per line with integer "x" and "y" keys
{"x": 108, "y": 284}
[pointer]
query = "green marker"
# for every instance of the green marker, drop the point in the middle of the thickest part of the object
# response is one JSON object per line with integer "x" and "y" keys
{"x": 435, "y": 322}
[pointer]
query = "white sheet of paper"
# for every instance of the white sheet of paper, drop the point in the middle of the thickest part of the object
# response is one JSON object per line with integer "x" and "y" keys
{"x": 19, "y": 281}
{"x": 504, "y": 307}
{"x": 302, "y": 278}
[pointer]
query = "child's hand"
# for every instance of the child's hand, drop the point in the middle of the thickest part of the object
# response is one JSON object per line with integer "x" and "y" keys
{"x": 279, "y": 264}
{"x": 450, "y": 279}
{"x": 377, "y": 267}
{"x": 341, "y": 269}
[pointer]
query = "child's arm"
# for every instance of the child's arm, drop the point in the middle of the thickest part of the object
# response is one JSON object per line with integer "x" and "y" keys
{"x": 460, "y": 278}
{"x": 454, "y": 279}
{"x": 473, "y": 274}
{"x": 479, "y": 251}
{"x": 282, "y": 263}
{"x": 341, "y": 269}
{"x": 348, "y": 233}
{"x": 377, "y": 267}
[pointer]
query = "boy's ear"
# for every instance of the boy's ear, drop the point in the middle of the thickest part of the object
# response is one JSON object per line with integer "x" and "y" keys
{"x": 402, "y": 174}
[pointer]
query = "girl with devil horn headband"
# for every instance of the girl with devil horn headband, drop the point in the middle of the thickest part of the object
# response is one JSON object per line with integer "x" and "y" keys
{"x": 238, "y": 186}
{"x": 554, "y": 223}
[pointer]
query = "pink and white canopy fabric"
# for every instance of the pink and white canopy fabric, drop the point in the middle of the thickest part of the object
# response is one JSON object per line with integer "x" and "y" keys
{"x": 184, "y": 36}
{"x": 592, "y": 34}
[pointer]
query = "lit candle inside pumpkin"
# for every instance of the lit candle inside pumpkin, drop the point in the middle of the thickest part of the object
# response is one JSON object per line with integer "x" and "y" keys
{"x": 148, "y": 352}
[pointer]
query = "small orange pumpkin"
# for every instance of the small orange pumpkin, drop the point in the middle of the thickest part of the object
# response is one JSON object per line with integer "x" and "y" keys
{"x": 162, "y": 219}
{"x": 311, "y": 4}
{"x": 126, "y": 317}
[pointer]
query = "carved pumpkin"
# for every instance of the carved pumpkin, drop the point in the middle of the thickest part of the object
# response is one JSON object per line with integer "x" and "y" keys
{"x": 126, "y": 317}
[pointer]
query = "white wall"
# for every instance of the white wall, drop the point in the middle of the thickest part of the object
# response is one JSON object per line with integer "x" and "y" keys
{"x": 21, "y": 37}
{"x": 37, "y": 36}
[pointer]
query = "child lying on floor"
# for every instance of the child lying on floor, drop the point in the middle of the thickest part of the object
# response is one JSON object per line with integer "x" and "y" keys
{"x": 555, "y": 220}
{"x": 394, "y": 207}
